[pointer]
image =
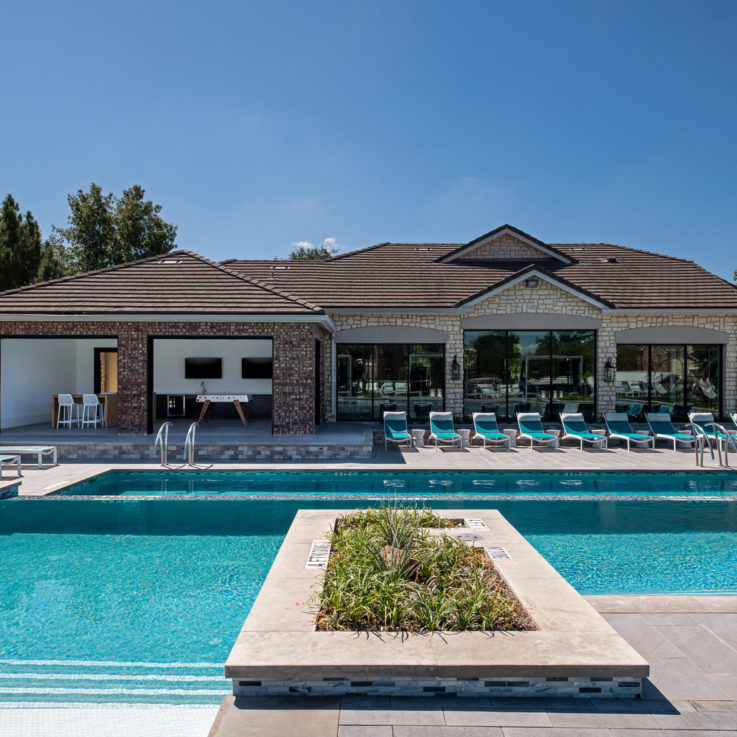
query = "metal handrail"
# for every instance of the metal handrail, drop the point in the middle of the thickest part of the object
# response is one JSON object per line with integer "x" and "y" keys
{"x": 728, "y": 438}
{"x": 189, "y": 444}
{"x": 162, "y": 443}
{"x": 702, "y": 440}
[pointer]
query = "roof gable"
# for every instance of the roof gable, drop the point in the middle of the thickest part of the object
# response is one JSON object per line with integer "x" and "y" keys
{"x": 175, "y": 282}
{"x": 506, "y": 242}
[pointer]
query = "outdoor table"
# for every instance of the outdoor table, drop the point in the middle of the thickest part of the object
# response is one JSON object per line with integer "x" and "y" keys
{"x": 207, "y": 399}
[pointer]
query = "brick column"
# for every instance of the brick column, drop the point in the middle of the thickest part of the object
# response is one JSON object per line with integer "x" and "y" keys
{"x": 606, "y": 348}
{"x": 132, "y": 379}
{"x": 294, "y": 380}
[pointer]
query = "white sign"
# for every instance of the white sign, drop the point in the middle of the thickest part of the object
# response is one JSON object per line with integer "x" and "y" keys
{"x": 477, "y": 525}
{"x": 497, "y": 553}
{"x": 319, "y": 554}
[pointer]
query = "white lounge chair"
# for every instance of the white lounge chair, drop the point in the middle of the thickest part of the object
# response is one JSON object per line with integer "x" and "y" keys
{"x": 6, "y": 460}
{"x": 487, "y": 429}
{"x": 442, "y": 429}
{"x": 662, "y": 428}
{"x": 531, "y": 428}
{"x": 38, "y": 450}
{"x": 574, "y": 428}
{"x": 395, "y": 429}
{"x": 618, "y": 425}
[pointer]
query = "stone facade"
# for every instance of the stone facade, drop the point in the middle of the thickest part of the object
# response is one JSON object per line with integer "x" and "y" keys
{"x": 545, "y": 300}
{"x": 293, "y": 351}
{"x": 604, "y": 687}
{"x": 505, "y": 247}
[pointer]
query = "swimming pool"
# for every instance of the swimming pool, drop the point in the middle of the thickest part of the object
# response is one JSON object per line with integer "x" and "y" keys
{"x": 410, "y": 485}
{"x": 116, "y": 598}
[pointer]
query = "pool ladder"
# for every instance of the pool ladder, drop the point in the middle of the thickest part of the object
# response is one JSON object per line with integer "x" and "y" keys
{"x": 189, "y": 444}
{"x": 703, "y": 440}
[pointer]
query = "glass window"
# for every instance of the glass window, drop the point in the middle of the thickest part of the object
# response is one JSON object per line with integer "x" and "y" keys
{"x": 530, "y": 371}
{"x": 390, "y": 377}
{"x": 675, "y": 379}
{"x": 354, "y": 382}
{"x": 703, "y": 366}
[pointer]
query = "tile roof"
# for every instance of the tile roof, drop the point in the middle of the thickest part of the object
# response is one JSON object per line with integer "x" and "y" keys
{"x": 176, "y": 282}
{"x": 411, "y": 276}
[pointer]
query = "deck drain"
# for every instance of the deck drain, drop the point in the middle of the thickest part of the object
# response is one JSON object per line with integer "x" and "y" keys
{"x": 477, "y": 525}
{"x": 497, "y": 553}
{"x": 319, "y": 554}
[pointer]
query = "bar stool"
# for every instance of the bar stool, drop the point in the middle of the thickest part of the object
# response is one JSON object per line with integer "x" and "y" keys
{"x": 92, "y": 411}
{"x": 67, "y": 413}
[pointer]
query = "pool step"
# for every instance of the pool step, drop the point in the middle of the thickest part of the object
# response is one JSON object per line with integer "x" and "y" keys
{"x": 85, "y": 682}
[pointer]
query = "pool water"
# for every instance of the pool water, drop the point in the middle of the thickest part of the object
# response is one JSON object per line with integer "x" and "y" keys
{"x": 140, "y": 600}
{"x": 408, "y": 484}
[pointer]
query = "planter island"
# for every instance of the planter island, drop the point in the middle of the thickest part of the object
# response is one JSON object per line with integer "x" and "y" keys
{"x": 564, "y": 648}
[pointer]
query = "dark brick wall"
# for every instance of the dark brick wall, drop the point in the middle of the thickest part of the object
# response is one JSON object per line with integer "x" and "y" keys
{"x": 294, "y": 358}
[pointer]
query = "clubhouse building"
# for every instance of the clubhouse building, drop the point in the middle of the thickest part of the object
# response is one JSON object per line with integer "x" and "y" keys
{"x": 504, "y": 323}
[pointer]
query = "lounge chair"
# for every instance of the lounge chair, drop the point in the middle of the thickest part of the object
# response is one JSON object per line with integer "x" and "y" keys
{"x": 733, "y": 417}
{"x": 531, "y": 428}
{"x": 441, "y": 428}
{"x": 705, "y": 420}
{"x": 661, "y": 427}
{"x": 395, "y": 429}
{"x": 486, "y": 428}
{"x": 8, "y": 460}
{"x": 574, "y": 428}
{"x": 38, "y": 450}
{"x": 618, "y": 425}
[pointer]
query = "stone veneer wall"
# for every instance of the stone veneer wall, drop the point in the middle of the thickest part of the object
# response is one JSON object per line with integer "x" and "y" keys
{"x": 549, "y": 299}
{"x": 294, "y": 358}
{"x": 505, "y": 246}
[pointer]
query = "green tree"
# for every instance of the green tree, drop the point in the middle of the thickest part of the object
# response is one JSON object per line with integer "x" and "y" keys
{"x": 21, "y": 248}
{"x": 304, "y": 252}
{"x": 104, "y": 230}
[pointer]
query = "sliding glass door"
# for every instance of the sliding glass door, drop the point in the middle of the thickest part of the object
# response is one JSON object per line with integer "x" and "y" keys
{"x": 543, "y": 371}
{"x": 390, "y": 377}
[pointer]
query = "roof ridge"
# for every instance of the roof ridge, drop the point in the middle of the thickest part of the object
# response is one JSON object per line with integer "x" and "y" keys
{"x": 257, "y": 283}
{"x": 358, "y": 250}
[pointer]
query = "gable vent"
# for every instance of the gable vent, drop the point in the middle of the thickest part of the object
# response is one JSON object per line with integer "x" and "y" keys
{"x": 171, "y": 261}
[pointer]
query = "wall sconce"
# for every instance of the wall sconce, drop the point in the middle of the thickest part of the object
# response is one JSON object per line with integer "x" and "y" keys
{"x": 532, "y": 282}
{"x": 609, "y": 370}
{"x": 455, "y": 369}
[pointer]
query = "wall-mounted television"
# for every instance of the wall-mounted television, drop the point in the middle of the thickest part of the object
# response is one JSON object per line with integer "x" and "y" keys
{"x": 203, "y": 368}
{"x": 257, "y": 368}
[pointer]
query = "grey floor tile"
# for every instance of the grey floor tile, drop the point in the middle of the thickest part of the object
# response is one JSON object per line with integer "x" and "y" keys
{"x": 730, "y": 706}
{"x": 365, "y": 731}
{"x": 727, "y": 684}
{"x": 364, "y": 702}
{"x": 668, "y": 733}
{"x": 603, "y": 720}
{"x": 542, "y": 704}
{"x": 393, "y": 716}
{"x": 644, "y": 637}
{"x": 670, "y": 618}
{"x": 425, "y": 703}
{"x": 698, "y": 720}
{"x": 557, "y": 732}
{"x": 497, "y": 718}
{"x": 702, "y": 648}
{"x": 449, "y": 732}
{"x": 723, "y": 626}
{"x": 679, "y": 678}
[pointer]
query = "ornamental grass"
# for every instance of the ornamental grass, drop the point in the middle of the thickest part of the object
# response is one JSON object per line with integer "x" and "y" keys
{"x": 387, "y": 572}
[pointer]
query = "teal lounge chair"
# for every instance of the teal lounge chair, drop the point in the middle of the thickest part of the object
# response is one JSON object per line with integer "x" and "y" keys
{"x": 574, "y": 428}
{"x": 8, "y": 460}
{"x": 486, "y": 428}
{"x": 531, "y": 428}
{"x": 395, "y": 429}
{"x": 661, "y": 427}
{"x": 441, "y": 428}
{"x": 618, "y": 425}
{"x": 705, "y": 420}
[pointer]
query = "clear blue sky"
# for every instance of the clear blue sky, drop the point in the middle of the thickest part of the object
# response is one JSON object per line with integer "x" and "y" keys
{"x": 257, "y": 125}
